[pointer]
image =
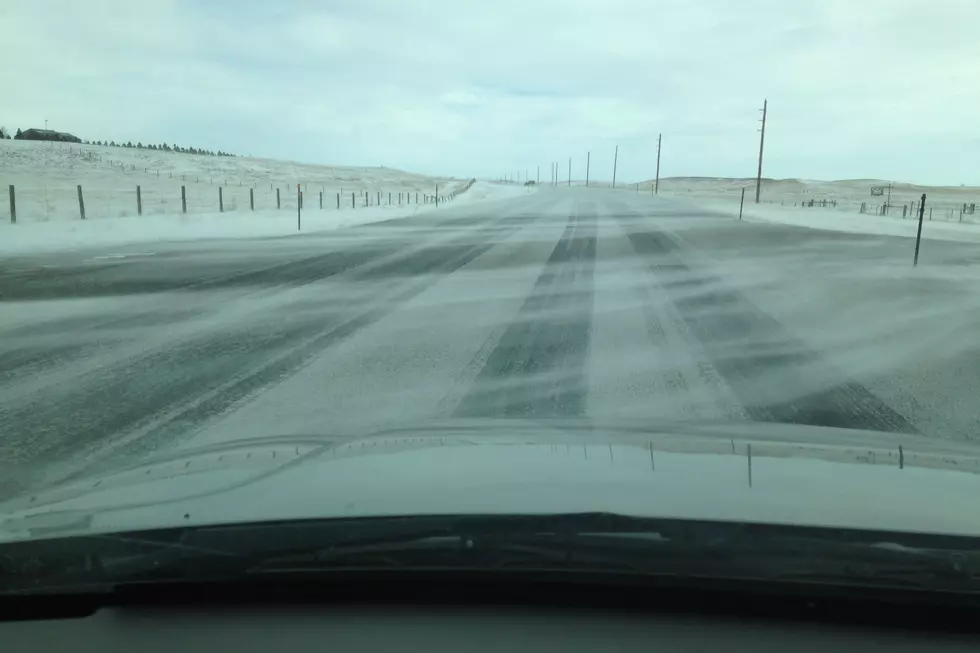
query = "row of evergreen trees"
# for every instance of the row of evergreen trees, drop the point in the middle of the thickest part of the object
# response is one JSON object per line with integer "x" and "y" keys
{"x": 162, "y": 146}
{"x": 4, "y": 134}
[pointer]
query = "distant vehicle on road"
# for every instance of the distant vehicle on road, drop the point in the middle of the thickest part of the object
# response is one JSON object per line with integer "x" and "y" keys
{"x": 529, "y": 182}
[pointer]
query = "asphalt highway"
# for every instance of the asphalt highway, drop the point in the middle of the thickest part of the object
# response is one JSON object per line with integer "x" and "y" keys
{"x": 562, "y": 303}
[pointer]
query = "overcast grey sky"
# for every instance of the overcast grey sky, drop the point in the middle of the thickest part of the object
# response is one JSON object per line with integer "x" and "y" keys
{"x": 857, "y": 88}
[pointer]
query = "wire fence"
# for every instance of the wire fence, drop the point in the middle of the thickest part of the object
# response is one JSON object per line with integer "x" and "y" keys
{"x": 34, "y": 204}
{"x": 89, "y": 184}
{"x": 937, "y": 207}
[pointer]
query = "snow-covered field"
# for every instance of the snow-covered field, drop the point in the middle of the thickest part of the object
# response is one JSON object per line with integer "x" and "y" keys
{"x": 848, "y": 193}
{"x": 46, "y": 177}
{"x": 844, "y": 221}
{"x": 781, "y": 203}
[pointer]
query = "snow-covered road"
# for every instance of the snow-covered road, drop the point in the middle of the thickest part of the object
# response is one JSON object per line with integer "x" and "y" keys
{"x": 568, "y": 303}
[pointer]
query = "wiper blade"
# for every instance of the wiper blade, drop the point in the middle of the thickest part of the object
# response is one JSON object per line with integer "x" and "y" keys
{"x": 468, "y": 551}
{"x": 580, "y": 542}
{"x": 787, "y": 559}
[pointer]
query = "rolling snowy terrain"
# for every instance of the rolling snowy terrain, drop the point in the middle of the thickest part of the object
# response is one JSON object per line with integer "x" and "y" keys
{"x": 782, "y": 201}
{"x": 46, "y": 177}
{"x": 123, "y": 337}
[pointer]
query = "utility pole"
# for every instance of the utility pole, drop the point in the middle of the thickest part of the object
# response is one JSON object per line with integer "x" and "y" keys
{"x": 656, "y": 188}
{"x": 588, "y": 160}
{"x": 615, "y": 161}
{"x": 762, "y": 144}
{"x": 569, "y": 171}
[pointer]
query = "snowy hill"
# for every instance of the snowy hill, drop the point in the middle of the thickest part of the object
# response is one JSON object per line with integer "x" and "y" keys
{"x": 46, "y": 176}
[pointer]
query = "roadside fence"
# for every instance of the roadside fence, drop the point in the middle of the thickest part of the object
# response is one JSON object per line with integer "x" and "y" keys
{"x": 112, "y": 189}
{"x": 29, "y": 202}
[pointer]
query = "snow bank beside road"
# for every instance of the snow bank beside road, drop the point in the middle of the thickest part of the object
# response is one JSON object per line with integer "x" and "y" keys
{"x": 845, "y": 221}
{"x": 36, "y": 237}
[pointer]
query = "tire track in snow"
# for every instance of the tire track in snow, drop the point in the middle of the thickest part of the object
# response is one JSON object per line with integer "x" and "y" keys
{"x": 150, "y": 400}
{"x": 776, "y": 377}
{"x": 538, "y": 367}
{"x": 645, "y": 364}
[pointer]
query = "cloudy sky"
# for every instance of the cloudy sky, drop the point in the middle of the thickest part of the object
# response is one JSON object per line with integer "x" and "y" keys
{"x": 857, "y": 88}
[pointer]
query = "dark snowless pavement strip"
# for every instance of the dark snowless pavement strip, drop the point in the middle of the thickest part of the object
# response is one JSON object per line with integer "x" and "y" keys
{"x": 539, "y": 367}
{"x": 907, "y": 335}
{"x": 179, "y": 374}
{"x": 767, "y": 367}
{"x": 570, "y": 303}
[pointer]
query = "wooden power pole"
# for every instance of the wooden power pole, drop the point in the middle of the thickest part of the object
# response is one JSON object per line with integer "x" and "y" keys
{"x": 656, "y": 188}
{"x": 615, "y": 161}
{"x": 762, "y": 144}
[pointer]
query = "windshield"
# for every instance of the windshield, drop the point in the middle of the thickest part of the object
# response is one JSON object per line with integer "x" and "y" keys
{"x": 264, "y": 262}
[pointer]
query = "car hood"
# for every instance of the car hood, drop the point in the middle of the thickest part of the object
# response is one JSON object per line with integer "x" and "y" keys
{"x": 769, "y": 473}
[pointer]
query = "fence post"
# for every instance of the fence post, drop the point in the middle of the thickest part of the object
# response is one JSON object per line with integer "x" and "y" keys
{"x": 221, "y": 201}
{"x": 918, "y": 235}
{"x": 13, "y": 204}
{"x": 321, "y": 199}
{"x": 251, "y": 198}
{"x": 416, "y": 197}
{"x": 367, "y": 200}
{"x": 278, "y": 204}
{"x": 81, "y": 202}
{"x": 139, "y": 201}
{"x": 741, "y": 204}
{"x": 353, "y": 199}
{"x": 338, "y": 201}
{"x": 183, "y": 199}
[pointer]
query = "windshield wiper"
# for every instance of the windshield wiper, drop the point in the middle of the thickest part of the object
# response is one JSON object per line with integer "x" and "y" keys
{"x": 789, "y": 561}
{"x": 578, "y": 542}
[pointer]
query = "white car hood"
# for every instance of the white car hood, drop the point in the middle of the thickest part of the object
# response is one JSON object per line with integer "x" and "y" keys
{"x": 794, "y": 475}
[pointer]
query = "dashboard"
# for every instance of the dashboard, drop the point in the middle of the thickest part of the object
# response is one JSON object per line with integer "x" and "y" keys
{"x": 445, "y": 628}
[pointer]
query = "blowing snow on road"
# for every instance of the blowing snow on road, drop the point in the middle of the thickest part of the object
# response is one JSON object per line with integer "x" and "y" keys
{"x": 578, "y": 303}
